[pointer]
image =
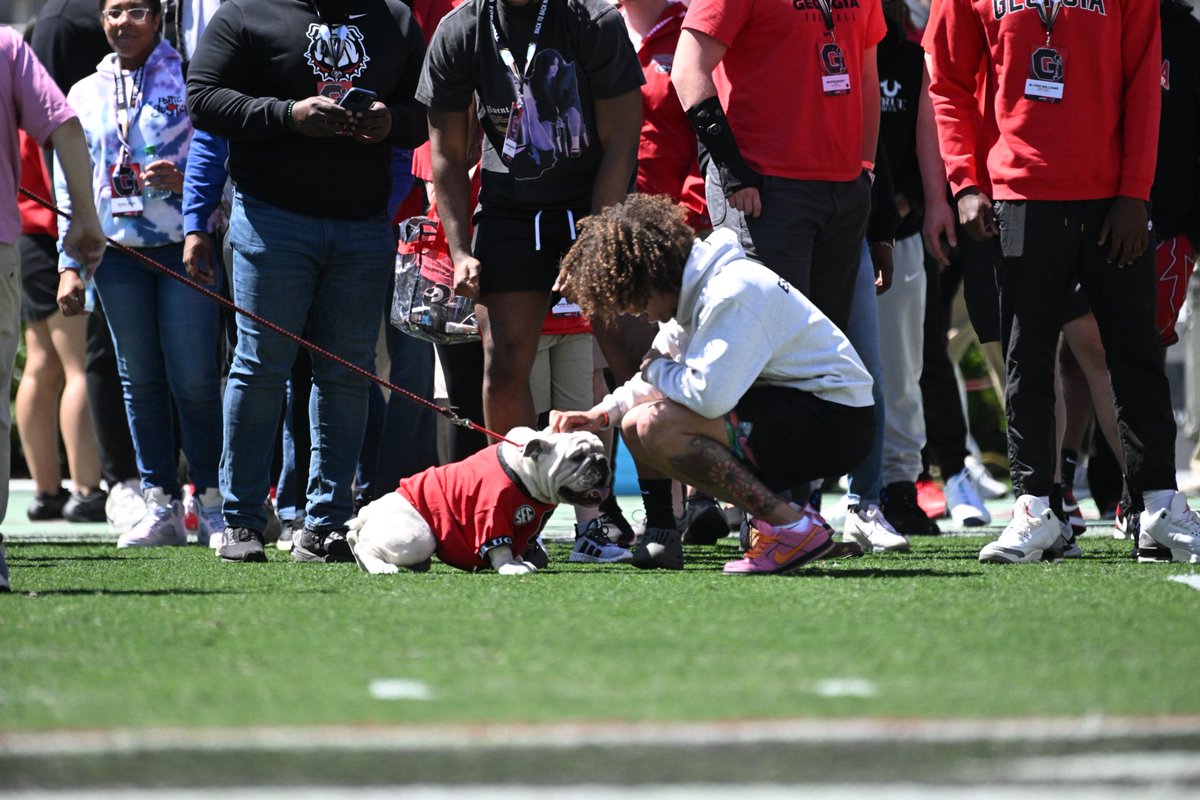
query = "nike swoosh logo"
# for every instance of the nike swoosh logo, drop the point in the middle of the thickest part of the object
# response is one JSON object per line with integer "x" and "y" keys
{"x": 355, "y": 16}
{"x": 782, "y": 558}
{"x": 911, "y": 278}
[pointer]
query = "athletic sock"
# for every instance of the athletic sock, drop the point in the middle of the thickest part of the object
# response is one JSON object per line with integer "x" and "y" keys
{"x": 609, "y": 505}
{"x": 1070, "y": 459}
{"x": 1157, "y": 499}
{"x": 656, "y": 499}
{"x": 1056, "y": 501}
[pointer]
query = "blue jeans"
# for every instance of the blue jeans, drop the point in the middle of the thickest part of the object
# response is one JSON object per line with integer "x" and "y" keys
{"x": 166, "y": 339}
{"x": 325, "y": 279}
{"x": 863, "y": 333}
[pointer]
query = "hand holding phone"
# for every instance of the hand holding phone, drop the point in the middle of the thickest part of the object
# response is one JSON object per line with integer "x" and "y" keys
{"x": 357, "y": 100}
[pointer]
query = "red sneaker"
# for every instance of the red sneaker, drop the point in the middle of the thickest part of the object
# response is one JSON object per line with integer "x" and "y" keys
{"x": 930, "y": 498}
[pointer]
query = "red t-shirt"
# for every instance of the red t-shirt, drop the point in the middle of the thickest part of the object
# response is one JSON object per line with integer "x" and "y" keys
{"x": 1100, "y": 140}
{"x": 472, "y": 506}
{"x": 667, "y": 149}
{"x": 35, "y": 218}
{"x": 769, "y": 82}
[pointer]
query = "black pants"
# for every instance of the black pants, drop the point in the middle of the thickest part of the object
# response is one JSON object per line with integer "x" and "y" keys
{"x": 945, "y": 425}
{"x": 1049, "y": 247}
{"x": 106, "y": 401}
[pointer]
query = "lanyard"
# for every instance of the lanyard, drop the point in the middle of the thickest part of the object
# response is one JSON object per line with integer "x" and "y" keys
{"x": 506, "y": 55}
{"x": 675, "y": 12}
{"x": 128, "y": 108}
{"x": 1048, "y": 11}
{"x": 827, "y": 15}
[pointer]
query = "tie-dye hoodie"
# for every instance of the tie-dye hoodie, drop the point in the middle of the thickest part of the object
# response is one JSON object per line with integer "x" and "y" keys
{"x": 163, "y": 123}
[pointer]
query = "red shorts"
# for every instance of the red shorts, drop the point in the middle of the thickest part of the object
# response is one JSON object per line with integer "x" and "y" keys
{"x": 1175, "y": 261}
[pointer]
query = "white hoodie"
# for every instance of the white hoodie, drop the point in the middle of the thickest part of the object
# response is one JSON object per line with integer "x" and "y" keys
{"x": 740, "y": 325}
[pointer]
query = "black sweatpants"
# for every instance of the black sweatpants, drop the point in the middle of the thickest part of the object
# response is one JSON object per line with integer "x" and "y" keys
{"x": 1048, "y": 247}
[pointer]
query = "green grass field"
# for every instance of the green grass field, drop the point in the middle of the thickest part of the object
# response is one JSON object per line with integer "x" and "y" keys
{"x": 174, "y": 637}
{"x": 140, "y": 642}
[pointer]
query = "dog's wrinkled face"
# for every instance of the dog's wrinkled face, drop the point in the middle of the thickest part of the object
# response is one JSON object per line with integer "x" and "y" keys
{"x": 563, "y": 467}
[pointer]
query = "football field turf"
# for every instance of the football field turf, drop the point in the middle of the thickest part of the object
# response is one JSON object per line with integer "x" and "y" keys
{"x": 161, "y": 668}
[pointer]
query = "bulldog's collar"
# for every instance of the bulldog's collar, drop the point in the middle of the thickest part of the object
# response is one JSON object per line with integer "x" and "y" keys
{"x": 512, "y": 474}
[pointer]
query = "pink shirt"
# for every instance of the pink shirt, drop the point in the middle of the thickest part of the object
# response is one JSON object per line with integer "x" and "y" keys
{"x": 29, "y": 99}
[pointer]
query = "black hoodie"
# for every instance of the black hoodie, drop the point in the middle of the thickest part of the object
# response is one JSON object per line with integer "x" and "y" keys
{"x": 1176, "y": 191}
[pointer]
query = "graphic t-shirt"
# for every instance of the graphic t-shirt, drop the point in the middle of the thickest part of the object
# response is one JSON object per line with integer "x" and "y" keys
{"x": 474, "y": 505}
{"x": 583, "y": 54}
{"x": 770, "y": 81}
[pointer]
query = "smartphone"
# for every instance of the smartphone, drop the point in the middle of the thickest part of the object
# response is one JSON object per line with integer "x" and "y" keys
{"x": 357, "y": 99}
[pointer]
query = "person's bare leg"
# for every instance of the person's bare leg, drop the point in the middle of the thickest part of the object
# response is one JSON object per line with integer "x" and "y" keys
{"x": 36, "y": 408}
{"x": 690, "y": 448}
{"x": 510, "y": 324}
{"x": 69, "y": 335}
{"x": 1083, "y": 337}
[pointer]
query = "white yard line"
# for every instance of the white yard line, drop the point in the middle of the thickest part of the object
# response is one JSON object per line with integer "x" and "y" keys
{"x": 1190, "y": 580}
{"x": 561, "y": 736}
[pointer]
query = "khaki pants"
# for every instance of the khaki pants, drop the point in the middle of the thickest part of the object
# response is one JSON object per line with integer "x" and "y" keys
{"x": 10, "y": 334}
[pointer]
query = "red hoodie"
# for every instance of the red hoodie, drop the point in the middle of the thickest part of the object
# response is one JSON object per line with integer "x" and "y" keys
{"x": 1100, "y": 141}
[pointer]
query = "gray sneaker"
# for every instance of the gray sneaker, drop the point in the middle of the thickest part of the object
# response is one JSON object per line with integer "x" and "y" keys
{"x": 241, "y": 544}
{"x": 325, "y": 547}
{"x": 4, "y": 587}
{"x": 661, "y": 548}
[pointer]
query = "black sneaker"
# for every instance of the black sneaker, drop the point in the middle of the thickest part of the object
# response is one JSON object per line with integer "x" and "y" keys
{"x": 241, "y": 544}
{"x": 4, "y": 587}
{"x": 47, "y": 506}
{"x": 86, "y": 508}
{"x": 534, "y": 554}
{"x": 899, "y": 505}
{"x": 619, "y": 531}
{"x": 325, "y": 547}
{"x": 703, "y": 520}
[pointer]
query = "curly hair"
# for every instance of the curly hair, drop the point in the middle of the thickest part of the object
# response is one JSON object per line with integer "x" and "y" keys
{"x": 624, "y": 253}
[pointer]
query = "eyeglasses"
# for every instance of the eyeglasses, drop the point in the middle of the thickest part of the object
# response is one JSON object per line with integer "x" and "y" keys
{"x": 115, "y": 15}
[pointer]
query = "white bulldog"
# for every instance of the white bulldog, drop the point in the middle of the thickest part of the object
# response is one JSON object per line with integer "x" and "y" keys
{"x": 483, "y": 511}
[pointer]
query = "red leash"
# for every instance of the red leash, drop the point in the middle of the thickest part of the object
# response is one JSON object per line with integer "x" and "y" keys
{"x": 449, "y": 414}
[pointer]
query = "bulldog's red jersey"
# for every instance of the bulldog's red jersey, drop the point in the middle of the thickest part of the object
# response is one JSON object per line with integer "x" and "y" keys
{"x": 475, "y": 505}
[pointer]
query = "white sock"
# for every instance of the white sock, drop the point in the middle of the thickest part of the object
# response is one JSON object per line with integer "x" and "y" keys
{"x": 1158, "y": 499}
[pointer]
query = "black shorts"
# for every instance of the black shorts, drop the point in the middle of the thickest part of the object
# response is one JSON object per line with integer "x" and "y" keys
{"x": 520, "y": 251}
{"x": 39, "y": 276}
{"x": 791, "y": 437}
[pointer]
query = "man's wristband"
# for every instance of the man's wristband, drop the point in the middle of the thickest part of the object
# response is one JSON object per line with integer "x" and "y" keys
{"x": 890, "y": 245}
{"x": 605, "y": 423}
{"x": 291, "y": 121}
{"x": 712, "y": 128}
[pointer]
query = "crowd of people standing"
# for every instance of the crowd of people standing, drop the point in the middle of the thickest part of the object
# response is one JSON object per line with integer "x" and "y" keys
{"x": 749, "y": 208}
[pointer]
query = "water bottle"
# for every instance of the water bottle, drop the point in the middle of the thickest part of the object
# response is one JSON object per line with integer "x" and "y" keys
{"x": 152, "y": 193}
{"x": 89, "y": 289}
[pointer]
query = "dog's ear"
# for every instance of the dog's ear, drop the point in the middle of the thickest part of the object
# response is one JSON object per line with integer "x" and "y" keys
{"x": 535, "y": 448}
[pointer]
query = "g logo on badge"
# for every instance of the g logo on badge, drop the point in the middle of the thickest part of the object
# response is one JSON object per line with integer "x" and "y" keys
{"x": 1047, "y": 65}
{"x": 832, "y": 60}
{"x": 524, "y": 515}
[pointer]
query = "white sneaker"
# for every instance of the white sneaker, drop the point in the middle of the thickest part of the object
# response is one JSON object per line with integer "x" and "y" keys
{"x": 1176, "y": 528}
{"x": 1033, "y": 530}
{"x": 161, "y": 526}
{"x": 1065, "y": 546}
{"x": 592, "y": 545}
{"x": 838, "y": 515}
{"x": 125, "y": 505}
{"x": 988, "y": 486}
{"x": 204, "y": 512}
{"x": 963, "y": 500}
{"x": 872, "y": 532}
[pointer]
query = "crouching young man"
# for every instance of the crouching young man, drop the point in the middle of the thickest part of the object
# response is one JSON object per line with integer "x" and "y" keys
{"x": 748, "y": 389}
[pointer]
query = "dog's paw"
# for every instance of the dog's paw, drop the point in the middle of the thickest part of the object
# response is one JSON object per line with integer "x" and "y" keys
{"x": 382, "y": 568}
{"x": 516, "y": 568}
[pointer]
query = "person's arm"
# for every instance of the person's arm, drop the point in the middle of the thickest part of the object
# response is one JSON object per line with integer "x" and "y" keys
{"x": 883, "y": 221}
{"x": 83, "y": 241}
{"x": 203, "y": 185}
{"x": 696, "y": 56}
{"x": 619, "y": 128}
{"x": 953, "y": 80}
{"x": 216, "y": 105}
{"x": 939, "y": 218}
{"x": 1125, "y": 229}
{"x": 451, "y": 150}
{"x": 870, "y": 104}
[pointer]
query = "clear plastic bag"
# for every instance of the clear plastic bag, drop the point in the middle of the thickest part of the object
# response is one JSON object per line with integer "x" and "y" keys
{"x": 424, "y": 304}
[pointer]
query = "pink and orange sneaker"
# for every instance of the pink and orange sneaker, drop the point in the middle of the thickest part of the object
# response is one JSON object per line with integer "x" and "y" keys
{"x": 775, "y": 551}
